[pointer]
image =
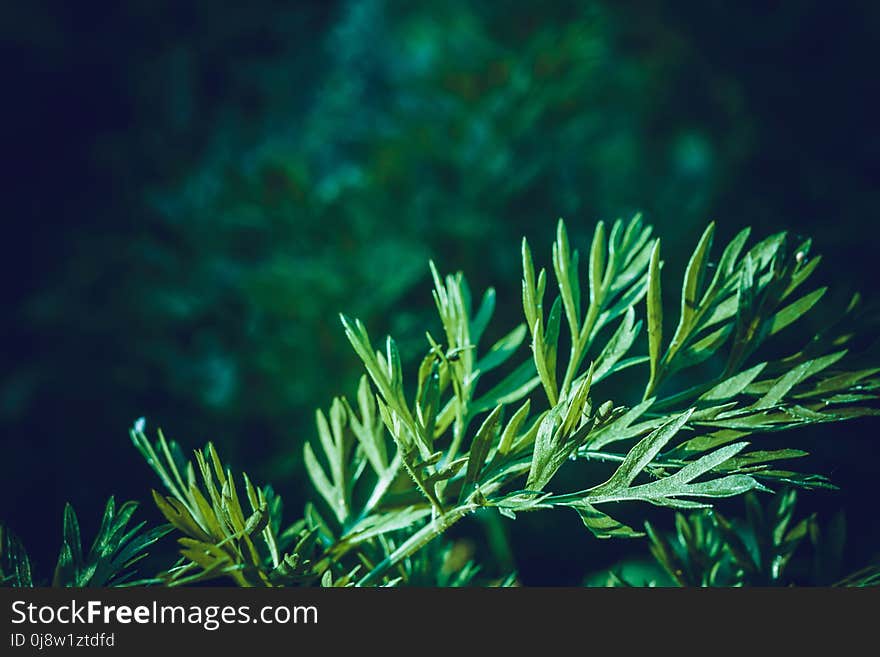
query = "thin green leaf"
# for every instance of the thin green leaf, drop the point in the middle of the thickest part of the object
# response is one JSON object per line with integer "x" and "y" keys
{"x": 480, "y": 447}
{"x": 733, "y": 386}
{"x": 655, "y": 318}
{"x": 642, "y": 454}
{"x": 502, "y": 350}
{"x": 603, "y": 525}
{"x": 794, "y": 311}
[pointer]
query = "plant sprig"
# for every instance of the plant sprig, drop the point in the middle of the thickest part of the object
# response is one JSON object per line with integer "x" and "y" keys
{"x": 478, "y": 429}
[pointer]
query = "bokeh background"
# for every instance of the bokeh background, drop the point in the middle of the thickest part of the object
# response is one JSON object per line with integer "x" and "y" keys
{"x": 193, "y": 190}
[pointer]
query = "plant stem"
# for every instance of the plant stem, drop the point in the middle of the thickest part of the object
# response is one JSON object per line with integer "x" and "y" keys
{"x": 580, "y": 344}
{"x": 417, "y": 541}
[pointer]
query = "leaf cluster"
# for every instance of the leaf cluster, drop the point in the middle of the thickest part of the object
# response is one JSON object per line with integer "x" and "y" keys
{"x": 709, "y": 549}
{"x": 479, "y": 428}
{"x": 110, "y": 560}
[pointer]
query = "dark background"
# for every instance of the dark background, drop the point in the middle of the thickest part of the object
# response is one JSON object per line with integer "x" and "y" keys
{"x": 193, "y": 191}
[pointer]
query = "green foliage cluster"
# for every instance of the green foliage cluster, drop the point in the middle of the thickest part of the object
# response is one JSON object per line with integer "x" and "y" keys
{"x": 109, "y": 561}
{"x": 485, "y": 429}
{"x": 709, "y": 549}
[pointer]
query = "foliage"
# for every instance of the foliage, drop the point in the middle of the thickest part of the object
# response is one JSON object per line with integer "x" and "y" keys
{"x": 401, "y": 465}
{"x": 747, "y": 300}
{"x": 109, "y": 561}
{"x": 15, "y": 564}
{"x": 480, "y": 429}
{"x": 708, "y": 549}
{"x": 208, "y": 218}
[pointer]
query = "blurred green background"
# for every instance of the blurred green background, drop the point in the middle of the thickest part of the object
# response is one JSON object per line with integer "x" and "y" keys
{"x": 194, "y": 190}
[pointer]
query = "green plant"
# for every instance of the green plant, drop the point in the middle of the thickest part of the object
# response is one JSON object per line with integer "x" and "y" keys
{"x": 708, "y": 549}
{"x": 109, "y": 561}
{"x": 477, "y": 430}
